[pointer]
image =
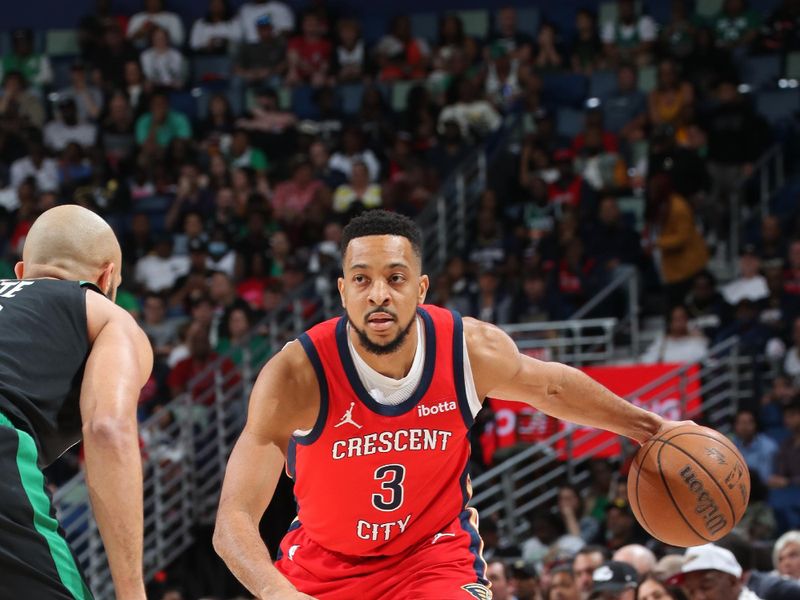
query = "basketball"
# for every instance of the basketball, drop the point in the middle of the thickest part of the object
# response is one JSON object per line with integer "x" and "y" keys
{"x": 688, "y": 487}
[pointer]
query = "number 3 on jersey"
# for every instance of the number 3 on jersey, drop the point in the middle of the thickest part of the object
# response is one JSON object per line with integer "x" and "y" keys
{"x": 391, "y": 496}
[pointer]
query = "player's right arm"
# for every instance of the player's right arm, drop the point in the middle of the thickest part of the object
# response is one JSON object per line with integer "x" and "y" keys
{"x": 118, "y": 366}
{"x": 285, "y": 398}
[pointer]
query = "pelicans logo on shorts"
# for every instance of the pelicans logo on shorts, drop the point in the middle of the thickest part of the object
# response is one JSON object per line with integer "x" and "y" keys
{"x": 476, "y": 590}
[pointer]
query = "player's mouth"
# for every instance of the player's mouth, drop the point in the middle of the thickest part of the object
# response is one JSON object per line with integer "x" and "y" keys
{"x": 380, "y": 321}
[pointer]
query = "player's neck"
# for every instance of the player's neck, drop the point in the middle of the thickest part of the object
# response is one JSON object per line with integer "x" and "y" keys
{"x": 395, "y": 365}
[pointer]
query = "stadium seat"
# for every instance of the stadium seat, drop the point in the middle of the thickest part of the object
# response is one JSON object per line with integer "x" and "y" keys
{"x": 562, "y": 89}
{"x": 350, "y": 95}
{"x": 303, "y": 104}
{"x": 647, "y": 79}
{"x": 778, "y": 106}
{"x": 761, "y": 71}
{"x": 61, "y": 42}
{"x": 426, "y": 26}
{"x": 476, "y": 22}
{"x": 211, "y": 68}
{"x": 185, "y": 102}
{"x": 528, "y": 20}
{"x": 793, "y": 65}
{"x": 708, "y": 8}
{"x": 602, "y": 84}
{"x": 569, "y": 122}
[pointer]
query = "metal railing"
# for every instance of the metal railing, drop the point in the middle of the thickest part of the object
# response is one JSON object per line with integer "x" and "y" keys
{"x": 709, "y": 392}
{"x": 186, "y": 445}
{"x": 577, "y": 342}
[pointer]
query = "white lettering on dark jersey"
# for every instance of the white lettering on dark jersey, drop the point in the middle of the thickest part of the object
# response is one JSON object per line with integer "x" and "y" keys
{"x": 381, "y": 531}
{"x": 9, "y": 289}
{"x": 402, "y": 440}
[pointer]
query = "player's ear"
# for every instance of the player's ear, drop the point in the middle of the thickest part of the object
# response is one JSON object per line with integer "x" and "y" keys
{"x": 106, "y": 280}
{"x": 424, "y": 284}
{"x": 19, "y": 270}
{"x": 340, "y": 285}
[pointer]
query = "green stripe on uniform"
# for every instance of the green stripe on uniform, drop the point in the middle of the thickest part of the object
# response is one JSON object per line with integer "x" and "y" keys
{"x": 33, "y": 483}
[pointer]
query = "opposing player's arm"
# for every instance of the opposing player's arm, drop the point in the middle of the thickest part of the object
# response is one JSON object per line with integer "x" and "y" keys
{"x": 285, "y": 398}
{"x": 561, "y": 391}
{"x": 118, "y": 366}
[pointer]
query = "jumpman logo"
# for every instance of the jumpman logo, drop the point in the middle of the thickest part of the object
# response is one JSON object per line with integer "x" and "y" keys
{"x": 348, "y": 418}
{"x": 441, "y": 535}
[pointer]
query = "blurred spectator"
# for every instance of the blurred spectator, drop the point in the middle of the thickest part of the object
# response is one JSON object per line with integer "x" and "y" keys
{"x": 525, "y": 581}
{"x": 266, "y": 117}
{"x": 240, "y": 344}
{"x": 625, "y": 110}
{"x": 614, "y": 580}
{"x": 639, "y": 557}
{"x": 190, "y": 197}
{"x": 88, "y": 98}
{"x": 758, "y": 523}
{"x": 279, "y": 13}
{"x": 781, "y": 30}
{"x": 160, "y": 269}
{"x": 358, "y": 194}
{"x": 475, "y": 116}
{"x": 786, "y": 555}
{"x": 713, "y": 573}
{"x": 243, "y": 155}
{"x": 679, "y": 344}
{"x": 531, "y": 304}
{"x": 736, "y": 25}
{"x": 162, "y": 332}
{"x": 450, "y": 150}
{"x": 757, "y": 449}
{"x": 569, "y": 189}
{"x": 17, "y": 102}
{"x": 161, "y": 125}
{"x": 163, "y": 65}
{"x": 575, "y": 278}
{"x": 563, "y": 585}
{"x": 611, "y": 241}
{"x": 750, "y": 284}
{"x": 116, "y": 130}
{"x": 352, "y": 151}
{"x": 309, "y": 54}
{"x": 621, "y": 527}
{"x": 677, "y": 246}
{"x": 491, "y": 303}
{"x": 217, "y": 127}
{"x": 652, "y": 588}
{"x": 293, "y": 197}
{"x": 736, "y": 137}
{"x": 502, "y": 78}
{"x": 753, "y": 335}
{"x": 584, "y": 564}
{"x": 350, "y": 55}
{"x": 216, "y": 32}
{"x": 571, "y": 509}
{"x": 265, "y": 58}
{"x": 499, "y": 576}
{"x": 587, "y": 49}
{"x": 66, "y": 128}
{"x": 200, "y": 358}
{"x": 35, "y": 67}
{"x": 136, "y": 87}
{"x": 549, "y": 57}
{"x": 508, "y": 34}
{"x": 91, "y": 28}
{"x": 108, "y": 62}
{"x": 399, "y": 54}
{"x": 631, "y": 38}
{"x": 154, "y": 15}
{"x": 705, "y": 305}
{"x": 787, "y": 460}
{"x": 791, "y": 276}
{"x": 37, "y": 165}
{"x": 771, "y": 245}
{"x": 678, "y": 35}
{"x": 672, "y": 99}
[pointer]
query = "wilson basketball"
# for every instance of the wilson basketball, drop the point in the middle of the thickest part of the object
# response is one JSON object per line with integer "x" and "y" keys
{"x": 689, "y": 486}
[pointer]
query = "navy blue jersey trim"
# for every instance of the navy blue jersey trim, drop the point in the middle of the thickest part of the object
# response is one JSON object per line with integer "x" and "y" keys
{"x": 475, "y": 544}
{"x": 291, "y": 456}
{"x": 458, "y": 370}
{"x": 355, "y": 380}
{"x": 319, "y": 425}
{"x": 296, "y": 524}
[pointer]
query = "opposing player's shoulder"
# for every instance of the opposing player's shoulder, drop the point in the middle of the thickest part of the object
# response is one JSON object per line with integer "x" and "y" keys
{"x": 100, "y": 311}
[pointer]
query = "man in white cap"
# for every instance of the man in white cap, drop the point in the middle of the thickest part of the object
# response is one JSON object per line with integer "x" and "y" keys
{"x": 712, "y": 573}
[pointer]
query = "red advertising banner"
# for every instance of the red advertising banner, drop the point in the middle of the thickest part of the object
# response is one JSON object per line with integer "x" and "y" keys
{"x": 515, "y": 422}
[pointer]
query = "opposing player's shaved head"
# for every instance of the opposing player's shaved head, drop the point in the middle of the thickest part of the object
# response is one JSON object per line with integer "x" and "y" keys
{"x": 71, "y": 242}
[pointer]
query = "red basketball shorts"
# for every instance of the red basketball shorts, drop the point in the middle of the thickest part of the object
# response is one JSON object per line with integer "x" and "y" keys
{"x": 446, "y": 566}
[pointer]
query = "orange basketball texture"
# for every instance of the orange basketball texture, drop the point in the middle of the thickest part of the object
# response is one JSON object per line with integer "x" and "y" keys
{"x": 688, "y": 487}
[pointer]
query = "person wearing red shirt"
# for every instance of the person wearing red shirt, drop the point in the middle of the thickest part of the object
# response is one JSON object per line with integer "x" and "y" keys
{"x": 569, "y": 189}
{"x": 309, "y": 54}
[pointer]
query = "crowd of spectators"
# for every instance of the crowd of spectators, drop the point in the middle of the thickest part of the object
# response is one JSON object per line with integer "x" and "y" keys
{"x": 229, "y": 189}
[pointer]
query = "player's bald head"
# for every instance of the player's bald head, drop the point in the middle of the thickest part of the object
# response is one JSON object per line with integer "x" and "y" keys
{"x": 71, "y": 242}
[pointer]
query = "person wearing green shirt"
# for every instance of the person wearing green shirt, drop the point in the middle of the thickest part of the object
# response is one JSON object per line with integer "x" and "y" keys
{"x": 161, "y": 125}
{"x": 34, "y": 67}
{"x": 243, "y": 155}
{"x": 238, "y": 345}
{"x": 735, "y": 25}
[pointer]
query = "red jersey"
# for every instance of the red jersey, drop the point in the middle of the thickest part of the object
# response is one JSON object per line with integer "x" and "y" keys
{"x": 372, "y": 479}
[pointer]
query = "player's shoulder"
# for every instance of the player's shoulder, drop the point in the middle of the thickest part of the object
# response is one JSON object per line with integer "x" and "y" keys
{"x": 101, "y": 312}
{"x": 484, "y": 337}
{"x": 291, "y": 365}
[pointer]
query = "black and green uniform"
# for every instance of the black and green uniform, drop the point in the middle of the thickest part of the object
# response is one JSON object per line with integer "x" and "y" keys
{"x": 43, "y": 349}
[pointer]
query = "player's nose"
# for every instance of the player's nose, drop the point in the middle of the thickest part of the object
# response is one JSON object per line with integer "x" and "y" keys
{"x": 379, "y": 293}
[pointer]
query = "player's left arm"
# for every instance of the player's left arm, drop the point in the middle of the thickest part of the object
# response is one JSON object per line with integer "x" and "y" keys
{"x": 561, "y": 391}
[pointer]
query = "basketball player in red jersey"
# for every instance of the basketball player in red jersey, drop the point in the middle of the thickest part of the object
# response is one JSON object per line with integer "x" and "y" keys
{"x": 370, "y": 413}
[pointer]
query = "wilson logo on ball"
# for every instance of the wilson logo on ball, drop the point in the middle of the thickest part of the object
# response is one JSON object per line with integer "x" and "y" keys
{"x": 705, "y": 505}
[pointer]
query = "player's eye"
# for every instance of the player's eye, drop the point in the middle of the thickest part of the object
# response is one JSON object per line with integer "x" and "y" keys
{"x": 359, "y": 279}
{"x": 397, "y": 278}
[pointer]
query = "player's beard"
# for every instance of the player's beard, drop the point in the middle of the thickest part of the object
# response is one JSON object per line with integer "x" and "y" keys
{"x": 381, "y": 349}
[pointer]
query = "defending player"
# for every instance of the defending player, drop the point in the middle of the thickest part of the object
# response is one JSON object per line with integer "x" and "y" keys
{"x": 72, "y": 364}
{"x": 371, "y": 413}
